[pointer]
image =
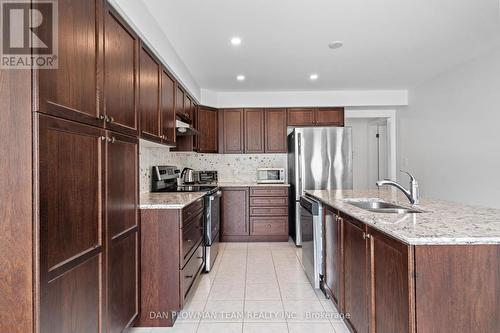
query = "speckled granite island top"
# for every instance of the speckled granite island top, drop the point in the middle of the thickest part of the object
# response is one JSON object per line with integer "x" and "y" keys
{"x": 441, "y": 222}
{"x": 168, "y": 200}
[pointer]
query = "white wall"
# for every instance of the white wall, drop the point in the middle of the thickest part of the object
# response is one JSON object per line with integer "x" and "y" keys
{"x": 449, "y": 136}
{"x": 138, "y": 17}
{"x": 359, "y": 98}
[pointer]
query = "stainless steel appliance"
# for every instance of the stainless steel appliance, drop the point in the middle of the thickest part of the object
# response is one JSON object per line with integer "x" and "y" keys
{"x": 212, "y": 228}
{"x": 271, "y": 175}
{"x": 319, "y": 158}
{"x": 187, "y": 176}
{"x": 311, "y": 213}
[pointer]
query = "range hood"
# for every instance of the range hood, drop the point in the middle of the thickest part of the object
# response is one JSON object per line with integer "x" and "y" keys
{"x": 185, "y": 129}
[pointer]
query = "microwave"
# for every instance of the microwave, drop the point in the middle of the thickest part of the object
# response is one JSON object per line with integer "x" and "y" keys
{"x": 270, "y": 175}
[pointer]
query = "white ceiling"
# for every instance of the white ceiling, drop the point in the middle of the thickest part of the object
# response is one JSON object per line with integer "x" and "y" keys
{"x": 389, "y": 44}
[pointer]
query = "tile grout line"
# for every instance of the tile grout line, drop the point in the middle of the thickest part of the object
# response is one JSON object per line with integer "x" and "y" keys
{"x": 279, "y": 289}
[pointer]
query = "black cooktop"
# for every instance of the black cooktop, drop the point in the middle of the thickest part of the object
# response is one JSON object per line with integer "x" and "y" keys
{"x": 185, "y": 188}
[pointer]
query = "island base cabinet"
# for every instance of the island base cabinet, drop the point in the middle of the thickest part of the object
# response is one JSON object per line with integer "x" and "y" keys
{"x": 391, "y": 266}
{"x": 457, "y": 288}
{"x": 355, "y": 303}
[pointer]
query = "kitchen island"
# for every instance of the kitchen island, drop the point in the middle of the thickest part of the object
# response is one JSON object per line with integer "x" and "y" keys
{"x": 433, "y": 271}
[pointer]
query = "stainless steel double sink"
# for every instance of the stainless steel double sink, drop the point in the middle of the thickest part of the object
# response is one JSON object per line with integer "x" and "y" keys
{"x": 380, "y": 206}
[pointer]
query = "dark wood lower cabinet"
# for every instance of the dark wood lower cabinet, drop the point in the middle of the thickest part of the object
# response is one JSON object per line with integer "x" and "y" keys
{"x": 391, "y": 299}
{"x": 71, "y": 222}
{"x": 388, "y": 286}
{"x": 254, "y": 214}
{"x": 122, "y": 222}
{"x": 355, "y": 303}
{"x": 234, "y": 212}
{"x": 88, "y": 225}
{"x": 172, "y": 252}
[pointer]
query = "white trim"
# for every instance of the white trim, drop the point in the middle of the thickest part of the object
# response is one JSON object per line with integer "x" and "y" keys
{"x": 390, "y": 115}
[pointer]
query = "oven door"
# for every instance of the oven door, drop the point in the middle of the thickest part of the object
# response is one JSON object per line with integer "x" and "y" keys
{"x": 310, "y": 229}
{"x": 212, "y": 224}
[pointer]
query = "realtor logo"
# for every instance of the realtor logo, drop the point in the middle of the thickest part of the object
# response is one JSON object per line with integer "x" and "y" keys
{"x": 29, "y": 32}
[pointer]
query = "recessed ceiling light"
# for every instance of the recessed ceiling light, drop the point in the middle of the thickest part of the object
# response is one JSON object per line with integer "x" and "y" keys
{"x": 236, "y": 41}
{"x": 335, "y": 44}
{"x": 313, "y": 77}
{"x": 240, "y": 77}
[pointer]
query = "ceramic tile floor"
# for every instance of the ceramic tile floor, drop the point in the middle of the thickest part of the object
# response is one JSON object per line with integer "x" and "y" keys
{"x": 256, "y": 287}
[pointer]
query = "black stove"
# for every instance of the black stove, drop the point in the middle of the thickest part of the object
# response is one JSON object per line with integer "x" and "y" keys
{"x": 190, "y": 188}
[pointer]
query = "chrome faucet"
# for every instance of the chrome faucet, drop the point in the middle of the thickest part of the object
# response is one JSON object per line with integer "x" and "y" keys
{"x": 413, "y": 195}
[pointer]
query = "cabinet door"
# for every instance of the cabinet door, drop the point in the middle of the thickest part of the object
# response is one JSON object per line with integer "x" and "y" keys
{"x": 70, "y": 172}
{"x": 333, "y": 256}
{"x": 355, "y": 275}
{"x": 389, "y": 284}
{"x": 149, "y": 95}
{"x": 329, "y": 116}
{"x": 300, "y": 117}
{"x": 168, "y": 107}
{"x": 72, "y": 91}
{"x": 196, "y": 138}
{"x": 188, "y": 107}
{"x": 207, "y": 125}
{"x": 276, "y": 135}
{"x": 254, "y": 131}
{"x": 120, "y": 74}
{"x": 122, "y": 230}
{"x": 232, "y": 131}
{"x": 234, "y": 211}
{"x": 179, "y": 101}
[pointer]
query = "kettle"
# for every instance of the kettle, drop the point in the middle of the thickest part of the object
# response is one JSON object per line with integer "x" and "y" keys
{"x": 187, "y": 176}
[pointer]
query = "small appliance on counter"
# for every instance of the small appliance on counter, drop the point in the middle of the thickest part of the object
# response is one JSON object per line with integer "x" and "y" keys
{"x": 271, "y": 175}
{"x": 164, "y": 179}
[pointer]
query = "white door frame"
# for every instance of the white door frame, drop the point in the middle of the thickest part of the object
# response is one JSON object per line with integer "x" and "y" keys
{"x": 390, "y": 116}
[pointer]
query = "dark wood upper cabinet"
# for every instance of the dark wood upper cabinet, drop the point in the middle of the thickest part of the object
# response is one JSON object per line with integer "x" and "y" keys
{"x": 275, "y": 128}
{"x": 316, "y": 116}
{"x": 254, "y": 130}
{"x": 120, "y": 74}
{"x": 122, "y": 231}
{"x": 390, "y": 277}
{"x": 300, "y": 117}
{"x": 188, "y": 106}
{"x": 196, "y": 138}
{"x": 179, "y": 101}
{"x": 355, "y": 275}
{"x": 71, "y": 225}
{"x": 234, "y": 212}
{"x": 149, "y": 95}
{"x": 168, "y": 107}
{"x": 333, "y": 255}
{"x": 74, "y": 89}
{"x": 232, "y": 127}
{"x": 329, "y": 116}
{"x": 207, "y": 125}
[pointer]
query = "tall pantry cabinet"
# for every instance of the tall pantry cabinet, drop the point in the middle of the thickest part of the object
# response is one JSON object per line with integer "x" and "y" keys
{"x": 85, "y": 230}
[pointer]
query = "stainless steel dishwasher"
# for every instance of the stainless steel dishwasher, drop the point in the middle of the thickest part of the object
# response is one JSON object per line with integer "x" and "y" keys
{"x": 311, "y": 213}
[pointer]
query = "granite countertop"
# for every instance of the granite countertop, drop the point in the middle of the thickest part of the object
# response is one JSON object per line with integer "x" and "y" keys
{"x": 441, "y": 222}
{"x": 168, "y": 200}
{"x": 247, "y": 184}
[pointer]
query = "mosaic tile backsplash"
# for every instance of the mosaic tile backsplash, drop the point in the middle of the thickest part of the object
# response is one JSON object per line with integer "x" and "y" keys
{"x": 231, "y": 167}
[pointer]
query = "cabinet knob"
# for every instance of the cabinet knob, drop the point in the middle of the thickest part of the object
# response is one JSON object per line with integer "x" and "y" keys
{"x": 102, "y": 117}
{"x": 366, "y": 236}
{"x": 111, "y": 119}
{"x": 188, "y": 276}
{"x": 103, "y": 138}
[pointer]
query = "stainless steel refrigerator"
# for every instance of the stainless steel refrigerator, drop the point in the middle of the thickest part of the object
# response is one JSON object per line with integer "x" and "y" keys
{"x": 319, "y": 158}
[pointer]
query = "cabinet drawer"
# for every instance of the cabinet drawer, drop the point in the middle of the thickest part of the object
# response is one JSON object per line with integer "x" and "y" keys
{"x": 268, "y": 201}
{"x": 261, "y": 226}
{"x": 277, "y": 191}
{"x": 192, "y": 210}
{"x": 192, "y": 235}
{"x": 268, "y": 211}
{"x": 191, "y": 270}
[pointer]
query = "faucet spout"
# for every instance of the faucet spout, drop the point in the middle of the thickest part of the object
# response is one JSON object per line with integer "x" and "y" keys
{"x": 412, "y": 194}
